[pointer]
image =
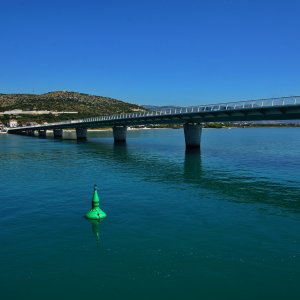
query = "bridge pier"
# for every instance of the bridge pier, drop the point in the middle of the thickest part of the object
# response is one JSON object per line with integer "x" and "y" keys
{"x": 81, "y": 133}
{"x": 192, "y": 135}
{"x": 120, "y": 134}
{"x": 57, "y": 133}
{"x": 30, "y": 132}
{"x": 42, "y": 133}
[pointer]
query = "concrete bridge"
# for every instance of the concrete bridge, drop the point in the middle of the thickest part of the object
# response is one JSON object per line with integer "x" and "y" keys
{"x": 285, "y": 108}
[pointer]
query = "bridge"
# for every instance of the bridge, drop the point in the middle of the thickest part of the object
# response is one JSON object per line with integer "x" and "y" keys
{"x": 284, "y": 108}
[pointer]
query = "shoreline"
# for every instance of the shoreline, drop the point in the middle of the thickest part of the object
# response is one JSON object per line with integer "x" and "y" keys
{"x": 163, "y": 128}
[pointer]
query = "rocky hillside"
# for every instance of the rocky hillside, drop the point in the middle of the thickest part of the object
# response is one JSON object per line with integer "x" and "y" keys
{"x": 86, "y": 105}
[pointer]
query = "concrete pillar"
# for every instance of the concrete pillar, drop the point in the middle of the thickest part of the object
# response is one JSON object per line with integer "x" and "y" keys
{"x": 192, "y": 135}
{"x": 81, "y": 133}
{"x": 57, "y": 133}
{"x": 120, "y": 134}
{"x": 42, "y": 133}
{"x": 30, "y": 132}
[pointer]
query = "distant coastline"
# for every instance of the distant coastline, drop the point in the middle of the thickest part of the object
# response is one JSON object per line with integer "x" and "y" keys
{"x": 180, "y": 127}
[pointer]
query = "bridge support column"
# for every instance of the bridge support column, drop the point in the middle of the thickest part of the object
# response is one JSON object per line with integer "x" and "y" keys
{"x": 57, "y": 133}
{"x": 30, "y": 132}
{"x": 42, "y": 133}
{"x": 192, "y": 135}
{"x": 119, "y": 134}
{"x": 81, "y": 133}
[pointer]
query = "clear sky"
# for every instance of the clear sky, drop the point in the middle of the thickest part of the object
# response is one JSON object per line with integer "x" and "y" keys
{"x": 152, "y": 52}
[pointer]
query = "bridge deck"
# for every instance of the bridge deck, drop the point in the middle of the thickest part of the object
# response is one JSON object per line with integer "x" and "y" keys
{"x": 285, "y": 108}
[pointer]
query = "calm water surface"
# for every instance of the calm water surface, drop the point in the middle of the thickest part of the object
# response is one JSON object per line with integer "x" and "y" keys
{"x": 221, "y": 225}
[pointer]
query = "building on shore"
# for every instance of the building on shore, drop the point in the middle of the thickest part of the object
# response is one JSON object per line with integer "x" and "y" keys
{"x": 35, "y": 112}
{"x": 13, "y": 123}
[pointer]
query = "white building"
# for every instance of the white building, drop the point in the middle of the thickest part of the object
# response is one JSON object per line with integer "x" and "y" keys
{"x": 13, "y": 123}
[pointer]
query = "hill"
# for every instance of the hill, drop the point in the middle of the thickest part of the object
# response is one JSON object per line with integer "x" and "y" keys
{"x": 159, "y": 108}
{"x": 86, "y": 105}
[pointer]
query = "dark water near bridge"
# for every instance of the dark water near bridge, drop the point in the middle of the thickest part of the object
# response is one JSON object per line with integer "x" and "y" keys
{"x": 223, "y": 225}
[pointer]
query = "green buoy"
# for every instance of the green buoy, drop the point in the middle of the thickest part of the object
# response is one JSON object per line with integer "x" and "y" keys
{"x": 95, "y": 213}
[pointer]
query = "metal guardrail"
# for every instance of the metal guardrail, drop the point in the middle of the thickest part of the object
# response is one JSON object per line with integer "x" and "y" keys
{"x": 230, "y": 106}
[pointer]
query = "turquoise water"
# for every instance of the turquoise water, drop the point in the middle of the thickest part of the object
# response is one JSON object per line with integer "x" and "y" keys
{"x": 221, "y": 225}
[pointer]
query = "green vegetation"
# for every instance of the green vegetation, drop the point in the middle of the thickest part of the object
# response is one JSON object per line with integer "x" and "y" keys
{"x": 214, "y": 125}
{"x": 172, "y": 126}
{"x": 85, "y": 105}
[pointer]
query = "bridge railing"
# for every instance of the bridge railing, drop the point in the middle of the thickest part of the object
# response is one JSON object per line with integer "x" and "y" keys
{"x": 252, "y": 104}
{"x": 229, "y": 106}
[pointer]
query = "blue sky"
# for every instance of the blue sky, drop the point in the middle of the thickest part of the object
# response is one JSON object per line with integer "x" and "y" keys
{"x": 152, "y": 52}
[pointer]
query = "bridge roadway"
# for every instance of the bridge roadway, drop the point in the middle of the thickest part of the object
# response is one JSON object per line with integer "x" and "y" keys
{"x": 285, "y": 108}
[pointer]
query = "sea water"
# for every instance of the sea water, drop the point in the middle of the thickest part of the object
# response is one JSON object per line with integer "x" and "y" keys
{"x": 220, "y": 224}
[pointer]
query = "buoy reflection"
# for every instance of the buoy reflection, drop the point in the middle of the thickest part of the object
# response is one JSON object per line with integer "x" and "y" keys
{"x": 96, "y": 229}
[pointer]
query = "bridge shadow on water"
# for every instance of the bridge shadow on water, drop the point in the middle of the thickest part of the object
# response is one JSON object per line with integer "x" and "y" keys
{"x": 189, "y": 170}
